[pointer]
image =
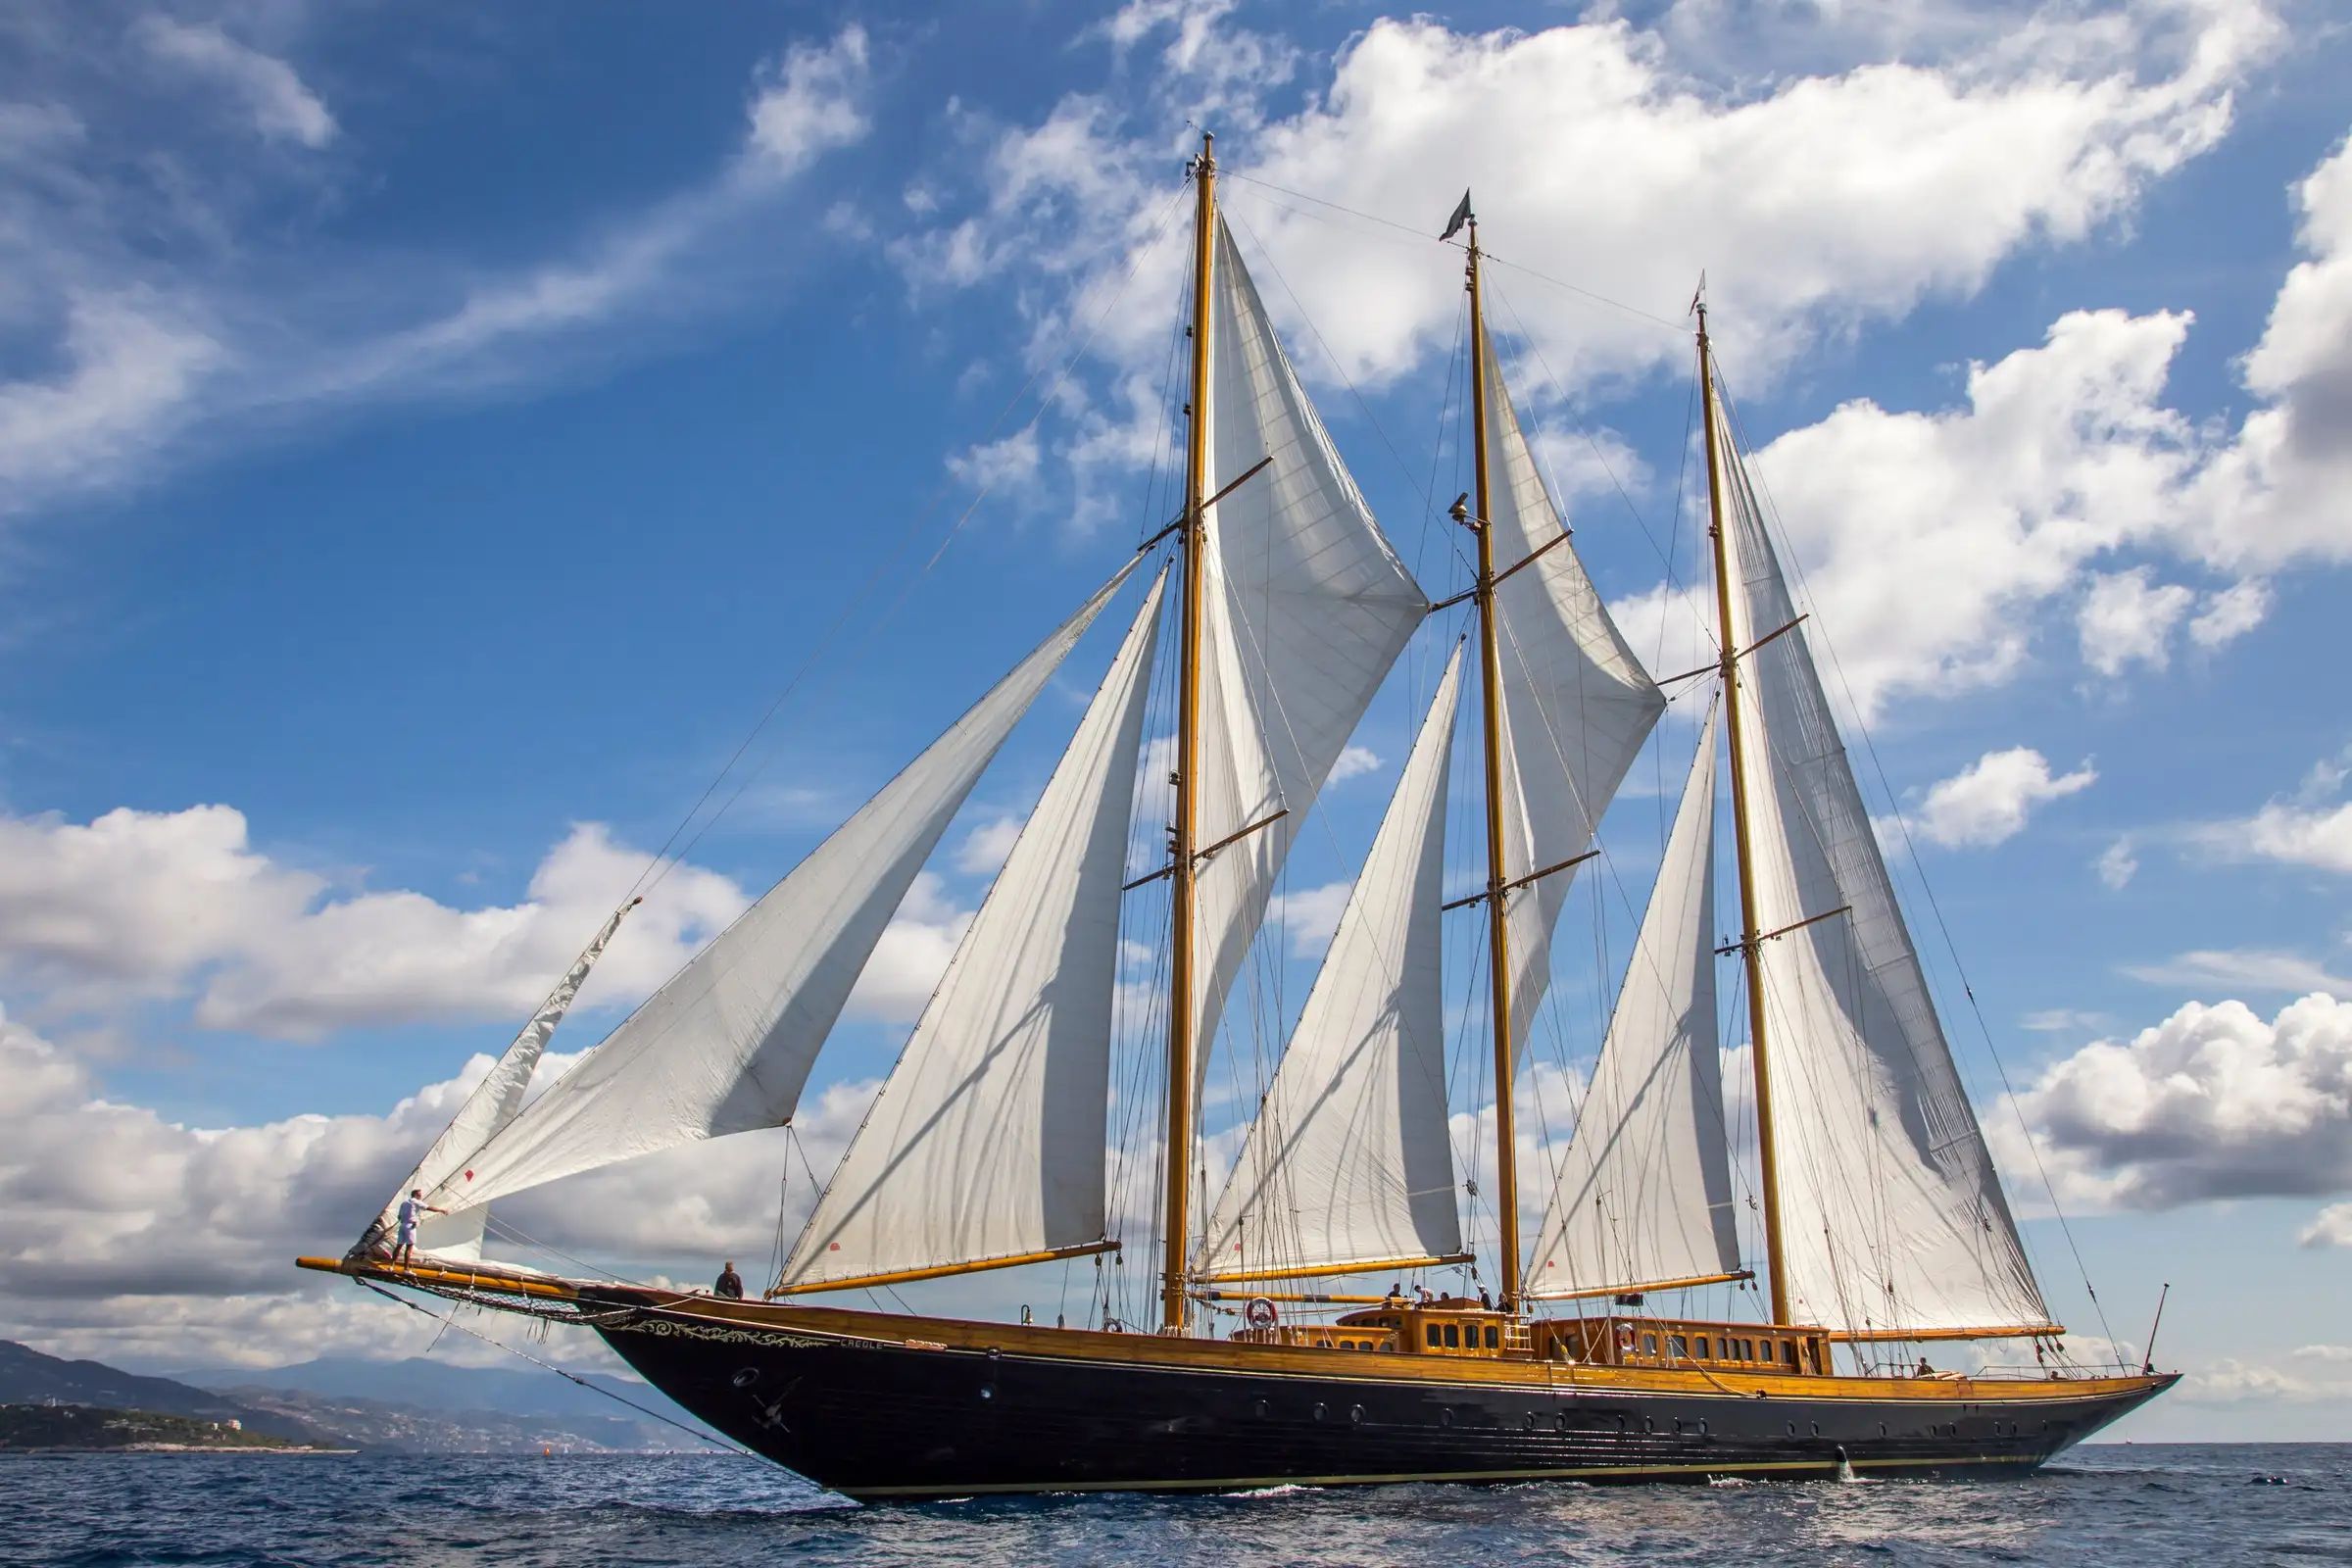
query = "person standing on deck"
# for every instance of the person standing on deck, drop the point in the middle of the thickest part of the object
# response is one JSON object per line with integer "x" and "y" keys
{"x": 404, "y": 1250}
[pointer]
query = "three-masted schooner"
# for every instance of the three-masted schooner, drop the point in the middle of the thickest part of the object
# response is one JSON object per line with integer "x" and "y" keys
{"x": 1881, "y": 1218}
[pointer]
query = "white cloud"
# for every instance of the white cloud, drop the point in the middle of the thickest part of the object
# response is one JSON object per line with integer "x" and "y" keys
{"x": 1309, "y": 915}
{"x": 2063, "y": 1020}
{"x": 1987, "y": 802}
{"x": 2324, "y": 1352}
{"x": 2116, "y": 865}
{"x": 2330, "y": 1227}
{"x": 811, "y": 101}
{"x": 2214, "y": 1102}
{"x": 282, "y": 108}
{"x": 983, "y": 849}
{"x": 1354, "y": 761}
{"x": 2230, "y": 614}
{"x": 138, "y": 905}
{"x": 2124, "y": 620}
{"x": 2231, "y": 1380}
{"x": 913, "y": 953}
{"x": 2302, "y": 829}
{"x": 2240, "y": 968}
{"x": 131, "y": 362}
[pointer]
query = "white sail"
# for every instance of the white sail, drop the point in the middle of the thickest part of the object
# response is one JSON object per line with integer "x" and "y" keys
{"x": 443, "y": 1173}
{"x": 727, "y": 1044}
{"x": 1644, "y": 1192}
{"x": 1575, "y": 703}
{"x": 1891, "y": 1215}
{"x": 987, "y": 1141}
{"x": 1304, "y": 609}
{"x": 1349, "y": 1161}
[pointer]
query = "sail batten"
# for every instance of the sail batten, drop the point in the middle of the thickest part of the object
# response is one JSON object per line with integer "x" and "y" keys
{"x": 1347, "y": 1164}
{"x": 985, "y": 1146}
{"x": 1644, "y": 1191}
{"x": 725, "y": 1046}
{"x": 1891, "y": 1215}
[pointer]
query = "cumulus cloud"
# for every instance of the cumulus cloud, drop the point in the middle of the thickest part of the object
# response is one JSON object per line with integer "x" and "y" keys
{"x": 2126, "y": 620}
{"x": 811, "y": 101}
{"x": 2330, "y": 1227}
{"x": 2308, "y": 827}
{"x": 1354, "y": 761}
{"x": 281, "y": 107}
{"x": 2118, "y": 864}
{"x": 2215, "y": 1102}
{"x": 1987, "y": 802}
{"x": 1310, "y": 915}
{"x": 130, "y": 1235}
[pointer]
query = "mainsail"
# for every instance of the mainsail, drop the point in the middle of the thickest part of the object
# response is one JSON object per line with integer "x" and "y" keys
{"x": 1644, "y": 1192}
{"x": 1575, "y": 704}
{"x": 1890, "y": 1212}
{"x": 986, "y": 1143}
{"x": 1349, "y": 1164}
{"x": 727, "y": 1044}
{"x": 1305, "y": 607}
{"x": 443, "y": 1174}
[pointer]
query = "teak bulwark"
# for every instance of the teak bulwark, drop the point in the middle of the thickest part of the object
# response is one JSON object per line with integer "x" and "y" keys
{"x": 886, "y": 1405}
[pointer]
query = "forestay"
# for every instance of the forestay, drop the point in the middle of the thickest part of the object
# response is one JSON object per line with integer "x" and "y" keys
{"x": 1644, "y": 1192}
{"x": 1891, "y": 1215}
{"x": 725, "y": 1046}
{"x": 443, "y": 1174}
{"x": 987, "y": 1141}
{"x": 1304, "y": 608}
{"x": 1349, "y": 1161}
{"x": 1575, "y": 704}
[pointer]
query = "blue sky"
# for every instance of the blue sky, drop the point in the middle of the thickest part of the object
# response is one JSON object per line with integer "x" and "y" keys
{"x": 428, "y": 441}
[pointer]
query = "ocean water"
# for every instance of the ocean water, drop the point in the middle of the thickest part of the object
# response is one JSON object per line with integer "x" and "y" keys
{"x": 2146, "y": 1504}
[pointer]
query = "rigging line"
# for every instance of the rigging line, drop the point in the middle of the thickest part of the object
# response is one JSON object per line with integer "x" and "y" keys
{"x": 1943, "y": 929}
{"x": 663, "y": 857}
{"x": 450, "y": 1322}
{"x": 1679, "y": 328}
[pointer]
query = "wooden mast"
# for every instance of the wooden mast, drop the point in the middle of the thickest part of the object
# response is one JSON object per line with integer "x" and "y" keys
{"x": 1194, "y": 535}
{"x": 1751, "y": 945}
{"x": 1507, "y": 1150}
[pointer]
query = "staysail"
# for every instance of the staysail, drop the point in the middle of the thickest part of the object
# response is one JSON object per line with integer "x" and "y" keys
{"x": 1891, "y": 1214}
{"x": 1575, "y": 704}
{"x": 986, "y": 1143}
{"x": 1644, "y": 1192}
{"x": 727, "y": 1044}
{"x": 443, "y": 1174}
{"x": 1349, "y": 1164}
{"x": 1305, "y": 607}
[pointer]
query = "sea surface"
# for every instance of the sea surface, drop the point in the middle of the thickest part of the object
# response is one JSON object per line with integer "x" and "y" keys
{"x": 2155, "y": 1504}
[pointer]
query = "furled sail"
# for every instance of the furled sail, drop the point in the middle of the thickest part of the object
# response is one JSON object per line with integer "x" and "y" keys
{"x": 1644, "y": 1192}
{"x": 1575, "y": 704}
{"x": 986, "y": 1143}
{"x": 1891, "y": 1215}
{"x": 1305, "y": 607}
{"x": 727, "y": 1044}
{"x": 1349, "y": 1162}
{"x": 443, "y": 1174}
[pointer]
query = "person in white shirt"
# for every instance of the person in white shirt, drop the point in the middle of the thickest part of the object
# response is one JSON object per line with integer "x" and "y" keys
{"x": 403, "y": 1251}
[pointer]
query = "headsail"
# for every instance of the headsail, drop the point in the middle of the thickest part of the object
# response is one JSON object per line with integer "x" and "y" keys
{"x": 985, "y": 1145}
{"x": 1891, "y": 1214}
{"x": 1575, "y": 703}
{"x": 1645, "y": 1194}
{"x": 443, "y": 1174}
{"x": 1349, "y": 1162}
{"x": 1306, "y": 607}
{"x": 727, "y": 1044}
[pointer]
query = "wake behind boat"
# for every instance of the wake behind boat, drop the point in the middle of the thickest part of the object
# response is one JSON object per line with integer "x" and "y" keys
{"x": 1881, "y": 1221}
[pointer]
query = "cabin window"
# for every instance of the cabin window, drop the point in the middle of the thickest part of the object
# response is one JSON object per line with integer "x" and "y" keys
{"x": 1677, "y": 1348}
{"x": 1433, "y": 1337}
{"x": 1493, "y": 1338}
{"x": 1766, "y": 1345}
{"x": 1788, "y": 1353}
{"x": 1649, "y": 1345}
{"x": 1702, "y": 1347}
{"x": 1747, "y": 1349}
{"x": 1453, "y": 1336}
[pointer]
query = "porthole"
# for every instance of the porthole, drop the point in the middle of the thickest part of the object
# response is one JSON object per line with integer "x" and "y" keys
{"x": 1560, "y": 1422}
{"x": 1355, "y": 1415}
{"x": 1647, "y": 1425}
{"x": 1263, "y": 1410}
{"x": 747, "y": 1377}
{"x": 988, "y": 1390}
{"x": 1703, "y": 1426}
{"x": 1792, "y": 1430}
{"x": 1445, "y": 1418}
{"x": 1881, "y": 1429}
{"x": 1319, "y": 1410}
{"x": 1816, "y": 1426}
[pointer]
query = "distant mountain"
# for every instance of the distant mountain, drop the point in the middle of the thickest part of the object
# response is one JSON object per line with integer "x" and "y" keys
{"x": 27, "y": 1377}
{"x": 443, "y": 1387}
{"x": 415, "y": 1406}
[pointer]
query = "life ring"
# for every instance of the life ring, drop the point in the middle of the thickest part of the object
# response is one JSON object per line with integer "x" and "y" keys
{"x": 1259, "y": 1314}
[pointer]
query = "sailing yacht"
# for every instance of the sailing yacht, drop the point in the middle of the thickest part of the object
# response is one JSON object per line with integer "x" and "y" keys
{"x": 1881, "y": 1219}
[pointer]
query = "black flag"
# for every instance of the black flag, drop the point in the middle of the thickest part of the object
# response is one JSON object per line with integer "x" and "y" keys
{"x": 1461, "y": 215}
